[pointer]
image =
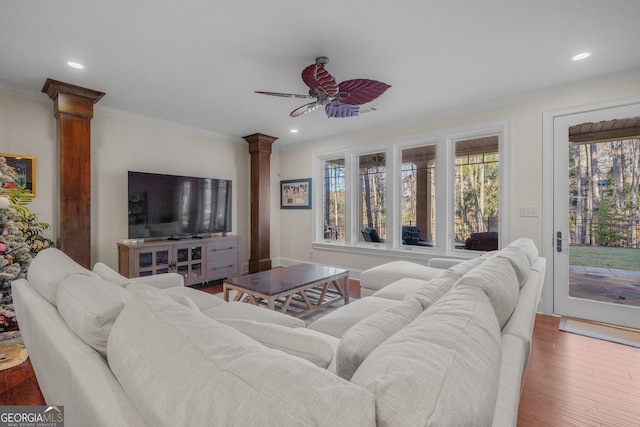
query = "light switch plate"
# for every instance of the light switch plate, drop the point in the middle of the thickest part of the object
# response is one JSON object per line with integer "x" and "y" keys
{"x": 528, "y": 211}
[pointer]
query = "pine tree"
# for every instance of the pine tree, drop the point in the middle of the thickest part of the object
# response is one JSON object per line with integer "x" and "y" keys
{"x": 14, "y": 251}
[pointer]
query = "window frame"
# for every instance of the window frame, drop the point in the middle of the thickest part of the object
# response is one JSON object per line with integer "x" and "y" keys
{"x": 444, "y": 141}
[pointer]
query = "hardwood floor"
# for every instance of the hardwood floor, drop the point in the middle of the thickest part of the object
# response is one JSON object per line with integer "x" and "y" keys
{"x": 578, "y": 381}
{"x": 571, "y": 381}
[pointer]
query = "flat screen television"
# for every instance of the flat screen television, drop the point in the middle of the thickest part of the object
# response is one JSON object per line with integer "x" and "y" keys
{"x": 172, "y": 206}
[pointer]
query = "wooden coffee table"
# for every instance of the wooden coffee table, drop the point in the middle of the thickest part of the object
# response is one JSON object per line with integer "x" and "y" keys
{"x": 298, "y": 290}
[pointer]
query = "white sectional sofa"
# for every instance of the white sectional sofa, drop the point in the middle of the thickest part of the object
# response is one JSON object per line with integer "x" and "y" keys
{"x": 451, "y": 350}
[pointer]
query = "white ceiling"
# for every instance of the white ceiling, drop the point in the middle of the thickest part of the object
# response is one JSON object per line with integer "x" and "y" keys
{"x": 197, "y": 62}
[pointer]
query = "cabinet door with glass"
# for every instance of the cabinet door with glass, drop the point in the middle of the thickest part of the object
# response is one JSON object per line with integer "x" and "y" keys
{"x": 189, "y": 262}
{"x": 152, "y": 260}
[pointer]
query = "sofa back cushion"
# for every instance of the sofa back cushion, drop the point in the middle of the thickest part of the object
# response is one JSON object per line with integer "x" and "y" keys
{"x": 498, "y": 280}
{"x": 527, "y": 246}
{"x": 519, "y": 261}
{"x": 180, "y": 367}
{"x": 90, "y": 307}
{"x": 109, "y": 274}
{"x": 363, "y": 337}
{"x": 434, "y": 289}
{"x": 48, "y": 268}
{"x": 464, "y": 267}
{"x": 441, "y": 369}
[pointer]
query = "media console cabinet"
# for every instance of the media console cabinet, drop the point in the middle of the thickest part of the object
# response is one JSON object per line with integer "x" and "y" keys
{"x": 197, "y": 260}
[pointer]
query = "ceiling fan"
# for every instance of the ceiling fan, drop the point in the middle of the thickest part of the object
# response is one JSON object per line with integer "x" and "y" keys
{"x": 339, "y": 100}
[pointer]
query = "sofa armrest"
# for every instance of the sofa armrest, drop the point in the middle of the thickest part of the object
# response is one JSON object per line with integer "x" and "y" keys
{"x": 443, "y": 262}
{"x": 160, "y": 281}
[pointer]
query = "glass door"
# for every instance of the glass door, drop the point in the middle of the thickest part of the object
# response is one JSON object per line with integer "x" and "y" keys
{"x": 188, "y": 263}
{"x": 596, "y": 265}
{"x": 153, "y": 261}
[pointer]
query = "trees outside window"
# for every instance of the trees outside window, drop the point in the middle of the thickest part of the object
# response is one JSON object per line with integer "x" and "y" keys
{"x": 372, "y": 174}
{"x": 418, "y": 184}
{"x": 427, "y": 193}
{"x": 334, "y": 199}
{"x": 604, "y": 182}
{"x": 476, "y": 187}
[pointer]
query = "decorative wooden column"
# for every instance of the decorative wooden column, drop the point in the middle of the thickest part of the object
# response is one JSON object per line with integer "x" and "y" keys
{"x": 73, "y": 108}
{"x": 260, "y": 150}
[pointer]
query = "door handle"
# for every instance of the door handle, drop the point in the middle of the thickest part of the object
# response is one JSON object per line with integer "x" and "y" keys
{"x": 559, "y": 241}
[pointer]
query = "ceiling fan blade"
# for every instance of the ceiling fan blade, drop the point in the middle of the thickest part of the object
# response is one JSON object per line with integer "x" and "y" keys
{"x": 361, "y": 91}
{"x": 304, "y": 109}
{"x": 337, "y": 109}
{"x": 319, "y": 80}
{"x": 285, "y": 95}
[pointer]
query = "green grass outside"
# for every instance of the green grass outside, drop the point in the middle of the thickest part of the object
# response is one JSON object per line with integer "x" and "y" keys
{"x": 601, "y": 256}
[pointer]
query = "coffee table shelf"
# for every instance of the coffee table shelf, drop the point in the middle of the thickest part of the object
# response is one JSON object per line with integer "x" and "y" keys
{"x": 299, "y": 290}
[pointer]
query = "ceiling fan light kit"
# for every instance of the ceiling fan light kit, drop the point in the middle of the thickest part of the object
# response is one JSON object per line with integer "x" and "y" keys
{"x": 338, "y": 100}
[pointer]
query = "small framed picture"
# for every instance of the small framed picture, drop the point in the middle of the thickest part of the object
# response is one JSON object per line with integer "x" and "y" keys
{"x": 295, "y": 194}
{"x": 25, "y": 167}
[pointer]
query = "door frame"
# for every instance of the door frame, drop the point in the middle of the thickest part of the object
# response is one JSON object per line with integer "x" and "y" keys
{"x": 547, "y": 303}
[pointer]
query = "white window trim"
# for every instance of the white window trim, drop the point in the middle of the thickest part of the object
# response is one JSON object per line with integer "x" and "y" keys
{"x": 445, "y": 179}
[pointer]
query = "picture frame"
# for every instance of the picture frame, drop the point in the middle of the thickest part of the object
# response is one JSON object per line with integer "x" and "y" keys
{"x": 25, "y": 167}
{"x": 295, "y": 194}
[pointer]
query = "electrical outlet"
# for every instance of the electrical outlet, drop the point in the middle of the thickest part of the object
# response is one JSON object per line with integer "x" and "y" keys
{"x": 529, "y": 211}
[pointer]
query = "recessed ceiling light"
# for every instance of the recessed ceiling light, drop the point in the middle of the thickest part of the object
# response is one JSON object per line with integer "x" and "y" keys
{"x": 294, "y": 131}
{"x": 580, "y": 56}
{"x": 75, "y": 65}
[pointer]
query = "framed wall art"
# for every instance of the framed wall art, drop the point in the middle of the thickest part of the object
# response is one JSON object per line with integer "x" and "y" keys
{"x": 25, "y": 167}
{"x": 295, "y": 194}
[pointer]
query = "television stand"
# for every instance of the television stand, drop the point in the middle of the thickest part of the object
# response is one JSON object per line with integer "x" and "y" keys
{"x": 198, "y": 260}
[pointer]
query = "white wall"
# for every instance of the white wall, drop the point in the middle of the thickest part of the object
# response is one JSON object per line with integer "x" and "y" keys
{"x": 120, "y": 144}
{"x": 525, "y": 119}
{"x": 27, "y": 127}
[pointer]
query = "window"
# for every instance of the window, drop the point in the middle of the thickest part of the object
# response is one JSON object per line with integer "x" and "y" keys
{"x": 477, "y": 193}
{"x": 334, "y": 200}
{"x": 418, "y": 198}
{"x": 440, "y": 194}
{"x": 372, "y": 174}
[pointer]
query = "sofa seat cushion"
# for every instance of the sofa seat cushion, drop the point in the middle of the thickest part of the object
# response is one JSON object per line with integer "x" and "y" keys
{"x": 498, "y": 280}
{"x": 339, "y": 321}
{"x": 400, "y": 288}
{"x": 380, "y": 276}
{"x": 440, "y": 370}
{"x": 243, "y": 310}
{"x": 300, "y": 342}
{"x": 363, "y": 337}
{"x": 49, "y": 268}
{"x": 90, "y": 307}
{"x": 181, "y": 368}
